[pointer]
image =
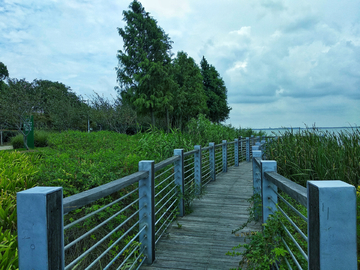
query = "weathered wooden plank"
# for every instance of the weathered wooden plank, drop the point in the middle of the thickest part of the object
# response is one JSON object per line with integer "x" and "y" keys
{"x": 203, "y": 237}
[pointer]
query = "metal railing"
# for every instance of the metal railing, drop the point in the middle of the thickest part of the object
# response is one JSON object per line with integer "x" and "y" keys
{"x": 318, "y": 222}
{"x": 135, "y": 211}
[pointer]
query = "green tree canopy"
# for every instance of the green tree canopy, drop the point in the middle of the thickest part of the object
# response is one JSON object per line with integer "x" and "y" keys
{"x": 189, "y": 97}
{"x": 145, "y": 63}
{"x": 4, "y": 73}
{"x": 20, "y": 100}
{"x": 216, "y": 93}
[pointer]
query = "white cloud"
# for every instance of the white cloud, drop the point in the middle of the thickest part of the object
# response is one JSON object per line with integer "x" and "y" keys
{"x": 244, "y": 31}
{"x": 290, "y": 62}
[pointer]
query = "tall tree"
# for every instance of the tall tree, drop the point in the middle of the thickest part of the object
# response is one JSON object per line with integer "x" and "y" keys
{"x": 4, "y": 73}
{"x": 145, "y": 64}
{"x": 216, "y": 93}
{"x": 18, "y": 103}
{"x": 189, "y": 98}
{"x": 61, "y": 108}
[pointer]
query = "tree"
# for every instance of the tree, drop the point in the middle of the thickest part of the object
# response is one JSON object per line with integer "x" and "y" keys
{"x": 18, "y": 103}
{"x": 60, "y": 109}
{"x": 113, "y": 115}
{"x": 216, "y": 93}
{"x": 144, "y": 66}
{"x": 189, "y": 98}
{"x": 4, "y": 73}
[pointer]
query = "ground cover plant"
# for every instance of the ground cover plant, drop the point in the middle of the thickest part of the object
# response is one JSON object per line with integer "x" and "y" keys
{"x": 17, "y": 173}
{"x": 302, "y": 156}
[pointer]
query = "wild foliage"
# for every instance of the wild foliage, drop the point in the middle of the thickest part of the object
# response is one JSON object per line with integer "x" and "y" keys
{"x": 17, "y": 173}
{"x": 302, "y": 156}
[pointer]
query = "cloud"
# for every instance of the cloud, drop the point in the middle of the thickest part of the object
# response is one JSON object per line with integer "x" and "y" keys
{"x": 296, "y": 60}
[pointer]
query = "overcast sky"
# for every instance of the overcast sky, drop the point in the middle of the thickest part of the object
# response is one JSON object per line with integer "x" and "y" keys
{"x": 285, "y": 63}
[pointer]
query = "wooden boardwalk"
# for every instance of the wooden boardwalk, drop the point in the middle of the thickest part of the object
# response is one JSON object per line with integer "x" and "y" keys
{"x": 205, "y": 235}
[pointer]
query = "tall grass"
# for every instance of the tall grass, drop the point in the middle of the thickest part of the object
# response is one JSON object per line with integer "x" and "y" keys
{"x": 318, "y": 155}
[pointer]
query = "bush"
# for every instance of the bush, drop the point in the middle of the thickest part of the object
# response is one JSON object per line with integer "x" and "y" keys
{"x": 17, "y": 174}
{"x": 17, "y": 141}
{"x": 41, "y": 138}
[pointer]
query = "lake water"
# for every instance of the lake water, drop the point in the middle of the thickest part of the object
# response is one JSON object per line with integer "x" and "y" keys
{"x": 278, "y": 131}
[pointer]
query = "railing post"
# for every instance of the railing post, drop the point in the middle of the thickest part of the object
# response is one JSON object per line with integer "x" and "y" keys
{"x": 258, "y": 139}
{"x": 331, "y": 225}
{"x": 252, "y": 140}
{"x": 212, "y": 160}
{"x": 40, "y": 228}
{"x": 256, "y": 180}
{"x": 269, "y": 197}
{"x": 147, "y": 210}
{"x": 179, "y": 178}
{"x": 224, "y": 155}
{"x": 197, "y": 170}
{"x": 241, "y": 148}
{"x": 236, "y": 152}
{"x": 247, "y": 149}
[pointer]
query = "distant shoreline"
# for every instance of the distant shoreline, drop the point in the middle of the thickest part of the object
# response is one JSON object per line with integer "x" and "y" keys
{"x": 285, "y": 128}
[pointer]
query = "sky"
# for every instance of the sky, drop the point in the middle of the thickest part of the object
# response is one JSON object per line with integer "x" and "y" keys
{"x": 284, "y": 63}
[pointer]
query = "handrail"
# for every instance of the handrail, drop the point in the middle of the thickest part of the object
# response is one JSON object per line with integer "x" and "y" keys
{"x": 78, "y": 200}
{"x": 294, "y": 190}
{"x": 166, "y": 162}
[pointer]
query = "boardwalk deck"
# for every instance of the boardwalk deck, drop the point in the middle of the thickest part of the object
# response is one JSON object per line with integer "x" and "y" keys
{"x": 205, "y": 235}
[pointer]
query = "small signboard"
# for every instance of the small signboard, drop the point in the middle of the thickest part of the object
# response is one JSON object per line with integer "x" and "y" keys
{"x": 29, "y": 130}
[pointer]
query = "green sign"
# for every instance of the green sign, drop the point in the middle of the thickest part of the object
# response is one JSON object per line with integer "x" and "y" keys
{"x": 29, "y": 130}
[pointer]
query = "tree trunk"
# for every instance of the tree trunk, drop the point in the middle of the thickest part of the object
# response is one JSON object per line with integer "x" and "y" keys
{"x": 25, "y": 142}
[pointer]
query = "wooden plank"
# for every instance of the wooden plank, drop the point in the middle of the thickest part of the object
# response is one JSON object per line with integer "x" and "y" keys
{"x": 201, "y": 239}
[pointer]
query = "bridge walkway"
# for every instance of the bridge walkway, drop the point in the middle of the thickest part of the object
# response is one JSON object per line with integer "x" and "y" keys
{"x": 200, "y": 240}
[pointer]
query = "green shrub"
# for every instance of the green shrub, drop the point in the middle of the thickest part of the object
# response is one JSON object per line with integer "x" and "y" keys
{"x": 41, "y": 138}
{"x": 17, "y": 173}
{"x": 17, "y": 141}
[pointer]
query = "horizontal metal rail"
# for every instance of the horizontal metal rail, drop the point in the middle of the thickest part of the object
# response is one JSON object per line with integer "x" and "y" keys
{"x": 79, "y": 200}
{"x": 166, "y": 162}
{"x": 295, "y": 191}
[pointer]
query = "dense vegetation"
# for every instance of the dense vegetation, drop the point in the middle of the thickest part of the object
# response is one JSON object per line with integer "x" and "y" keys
{"x": 303, "y": 156}
{"x": 78, "y": 161}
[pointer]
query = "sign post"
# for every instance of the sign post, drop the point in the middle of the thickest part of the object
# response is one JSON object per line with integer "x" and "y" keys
{"x": 29, "y": 130}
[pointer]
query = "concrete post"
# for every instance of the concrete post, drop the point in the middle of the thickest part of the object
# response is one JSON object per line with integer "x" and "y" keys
{"x": 224, "y": 155}
{"x": 236, "y": 152}
{"x": 269, "y": 197}
{"x": 179, "y": 178}
{"x": 247, "y": 149}
{"x": 197, "y": 169}
{"x": 212, "y": 161}
{"x": 147, "y": 212}
{"x": 256, "y": 180}
{"x": 331, "y": 225}
{"x": 40, "y": 228}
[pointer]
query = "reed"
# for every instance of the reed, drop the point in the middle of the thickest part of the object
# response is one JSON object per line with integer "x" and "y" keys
{"x": 317, "y": 155}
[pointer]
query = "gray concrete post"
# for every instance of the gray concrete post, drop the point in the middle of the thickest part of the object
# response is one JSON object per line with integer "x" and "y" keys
{"x": 147, "y": 210}
{"x": 236, "y": 152}
{"x": 197, "y": 169}
{"x": 269, "y": 197}
{"x": 331, "y": 225}
{"x": 256, "y": 178}
{"x": 247, "y": 149}
{"x": 224, "y": 155}
{"x": 40, "y": 228}
{"x": 212, "y": 161}
{"x": 179, "y": 178}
